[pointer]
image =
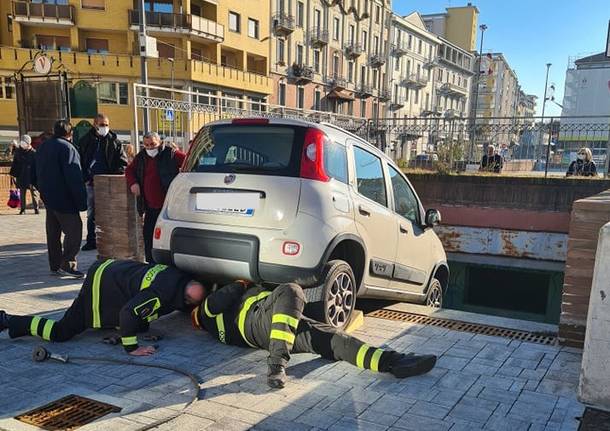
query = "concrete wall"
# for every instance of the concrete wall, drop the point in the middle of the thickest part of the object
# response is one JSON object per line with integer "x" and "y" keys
{"x": 594, "y": 387}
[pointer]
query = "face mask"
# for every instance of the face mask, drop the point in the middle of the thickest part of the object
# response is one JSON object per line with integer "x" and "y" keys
{"x": 24, "y": 145}
{"x": 581, "y": 157}
{"x": 103, "y": 130}
{"x": 152, "y": 153}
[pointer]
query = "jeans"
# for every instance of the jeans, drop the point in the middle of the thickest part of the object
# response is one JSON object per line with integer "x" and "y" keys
{"x": 90, "y": 213}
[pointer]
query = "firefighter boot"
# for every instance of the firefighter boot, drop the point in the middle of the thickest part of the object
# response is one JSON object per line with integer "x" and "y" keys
{"x": 276, "y": 376}
{"x": 410, "y": 364}
{"x": 3, "y": 320}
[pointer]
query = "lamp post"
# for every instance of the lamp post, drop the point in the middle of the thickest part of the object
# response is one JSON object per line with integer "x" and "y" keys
{"x": 482, "y": 27}
{"x": 172, "y": 126}
{"x": 548, "y": 150}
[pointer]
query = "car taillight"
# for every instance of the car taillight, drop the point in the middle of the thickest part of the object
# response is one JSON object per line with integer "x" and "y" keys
{"x": 312, "y": 159}
{"x": 157, "y": 233}
{"x": 291, "y": 248}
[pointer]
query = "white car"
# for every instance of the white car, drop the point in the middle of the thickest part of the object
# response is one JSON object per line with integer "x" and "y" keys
{"x": 282, "y": 200}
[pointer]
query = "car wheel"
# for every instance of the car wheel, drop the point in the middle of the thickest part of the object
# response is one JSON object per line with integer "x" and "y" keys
{"x": 434, "y": 299}
{"x": 334, "y": 301}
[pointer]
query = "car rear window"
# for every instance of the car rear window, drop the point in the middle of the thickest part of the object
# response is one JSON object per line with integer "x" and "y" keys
{"x": 257, "y": 149}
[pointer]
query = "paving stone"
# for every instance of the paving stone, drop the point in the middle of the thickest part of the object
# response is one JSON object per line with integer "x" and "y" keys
{"x": 448, "y": 398}
{"x": 458, "y": 380}
{"x": 497, "y": 423}
{"x": 319, "y": 418}
{"x": 417, "y": 423}
{"x": 376, "y": 417}
{"x": 499, "y": 395}
{"x": 392, "y": 405}
{"x": 429, "y": 410}
{"x": 452, "y": 362}
{"x": 498, "y": 382}
{"x": 474, "y": 409}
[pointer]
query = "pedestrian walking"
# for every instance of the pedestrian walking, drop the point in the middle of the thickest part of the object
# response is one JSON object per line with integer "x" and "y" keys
{"x": 149, "y": 177}
{"x": 124, "y": 294}
{"x": 59, "y": 179}
{"x": 23, "y": 169}
{"x": 241, "y": 315}
{"x": 583, "y": 166}
{"x": 101, "y": 153}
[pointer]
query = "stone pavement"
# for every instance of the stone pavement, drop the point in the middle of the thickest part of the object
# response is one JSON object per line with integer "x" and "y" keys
{"x": 480, "y": 382}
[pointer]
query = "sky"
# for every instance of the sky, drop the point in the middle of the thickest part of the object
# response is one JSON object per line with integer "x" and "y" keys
{"x": 531, "y": 33}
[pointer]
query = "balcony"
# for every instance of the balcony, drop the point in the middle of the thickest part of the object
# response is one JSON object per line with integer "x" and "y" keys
{"x": 384, "y": 94}
{"x": 57, "y": 15}
{"x": 431, "y": 63}
{"x": 415, "y": 80}
{"x": 318, "y": 37}
{"x": 397, "y": 103}
{"x": 454, "y": 90}
{"x": 302, "y": 74}
{"x": 452, "y": 113}
{"x": 353, "y": 50}
{"x": 336, "y": 82}
{"x": 364, "y": 90}
{"x": 376, "y": 60}
{"x": 192, "y": 25}
{"x": 399, "y": 49}
{"x": 283, "y": 24}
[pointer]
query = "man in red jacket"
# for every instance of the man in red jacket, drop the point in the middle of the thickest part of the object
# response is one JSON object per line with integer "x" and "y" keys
{"x": 149, "y": 176}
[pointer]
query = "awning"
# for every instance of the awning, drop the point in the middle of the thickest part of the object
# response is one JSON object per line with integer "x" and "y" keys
{"x": 341, "y": 94}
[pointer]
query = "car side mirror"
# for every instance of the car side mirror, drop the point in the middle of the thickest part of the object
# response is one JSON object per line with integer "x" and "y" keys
{"x": 433, "y": 217}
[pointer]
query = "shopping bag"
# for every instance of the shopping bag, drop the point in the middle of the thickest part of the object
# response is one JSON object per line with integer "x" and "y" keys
{"x": 14, "y": 198}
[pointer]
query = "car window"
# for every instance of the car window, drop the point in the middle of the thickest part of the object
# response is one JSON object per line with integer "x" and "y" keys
{"x": 369, "y": 176}
{"x": 405, "y": 202}
{"x": 335, "y": 161}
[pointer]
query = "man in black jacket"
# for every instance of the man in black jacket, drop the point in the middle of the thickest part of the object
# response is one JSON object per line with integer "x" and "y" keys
{"x": 60, "y": 181}
{"x": 274, "y": 321}
{"x": 23, "y": 170}
{"x": 124, "y": 294}
{"x": 492, "y": 162}
{"x": 101, "y": 154}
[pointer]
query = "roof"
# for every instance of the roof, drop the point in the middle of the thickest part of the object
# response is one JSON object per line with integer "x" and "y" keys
{"x": 596, "y": 58}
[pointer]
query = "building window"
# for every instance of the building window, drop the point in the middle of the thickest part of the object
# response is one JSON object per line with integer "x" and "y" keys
{"x": 419, "y": 46}
{"x": 350, "y": 108}
{"x": 281, "y": 48}
{"x": 352, "y": 33}
{"x": 407, "y": 91}
{"x": 366, "y": 6}
{"x": 300, "y": 54}
{"x": 95, "y": 46}
{"x": 410, "y": 41}
{"x": 318, "y": 18}
{"x": 416, "y": 97}
{"x": 300, "y": 97}
{"x": 350, "y": 71}
{"x": 365, "y": 37}
{"x": 317, "y": 100}
{"x": 113, "y": 93}
{"x": 363, "y": 108}
{"x": 234, "y": 22}
{"x": 397, "y": 64}
{"x": 168, "y": 51}
{"x": 253, "y": 28}
{"x": 376, "y": 47}
{"x": 316, "y": 60}
{"x": 300, "y": 14}
{"x": 377, "y": 14}
{"x": 427, "y": 105}
{"x": 282, "y": 94}
{"x": 7, "y": 88}
{"x": 363, "y": 74}
{"x": 336, "y": 65}
{"x": 375, "y": 110}
{"x": 93, "y": 4}
{"x": 336, "y": 28}
{"x": 60, "y": 43}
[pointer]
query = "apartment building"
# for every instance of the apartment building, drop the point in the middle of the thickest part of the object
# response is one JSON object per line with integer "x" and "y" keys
{"x": 453, "y": 81}
{"x": 498, "y": 89}
{"x": 330, "y": 55}
{"x": 526, "y": 106}
{"x": 457, "y": 25}
{"x": 208, "y": 46}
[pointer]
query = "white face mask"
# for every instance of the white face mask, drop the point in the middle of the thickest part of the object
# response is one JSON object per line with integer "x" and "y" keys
{"x": 103, "y": 130}
{"x": 24, "y": 145}
{"x": 152, "y": 153}
{"x": 580, "y": 157}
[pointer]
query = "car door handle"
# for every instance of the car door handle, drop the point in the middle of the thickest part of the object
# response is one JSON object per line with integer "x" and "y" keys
{"x": 365, "y": 212}
{"x": 403, "y": 229}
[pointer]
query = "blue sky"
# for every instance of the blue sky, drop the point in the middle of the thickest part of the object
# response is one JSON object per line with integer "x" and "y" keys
{"x": 532, "y": 33}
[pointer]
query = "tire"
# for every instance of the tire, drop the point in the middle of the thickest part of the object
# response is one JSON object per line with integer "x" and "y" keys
{"x": 334, "y": 301}
{"x": 434, "y": 298}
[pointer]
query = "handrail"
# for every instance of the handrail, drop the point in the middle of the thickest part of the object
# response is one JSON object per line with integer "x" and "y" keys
{"x": 43, "y": 10}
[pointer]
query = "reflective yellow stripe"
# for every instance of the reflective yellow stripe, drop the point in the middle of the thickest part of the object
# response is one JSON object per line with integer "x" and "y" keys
{"x": 129, "y": 341}
{"x": 46, "y": 331}
{"x": 207, "y": 310}
{"x": 95, "y": 293}
{"x": 220, "y": 325}
{"x": 375, "y": 360}
{"x": 244, "y": 312}
{"x": 150, "y": 276}
{"x": 284, "y": 318}
{"x": 360, "y": 356}
{"x": 276, "y": 334}
{"x": 34, "y": 325}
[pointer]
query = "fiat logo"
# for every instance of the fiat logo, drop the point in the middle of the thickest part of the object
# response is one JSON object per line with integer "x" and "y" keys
{"x": 229, "y": 179}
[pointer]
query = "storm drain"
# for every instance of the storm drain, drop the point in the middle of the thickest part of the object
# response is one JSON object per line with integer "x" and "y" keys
{"x": 595, "y": 420}
{"x": 456, "y": 325}
{"x": 67, "y": 413}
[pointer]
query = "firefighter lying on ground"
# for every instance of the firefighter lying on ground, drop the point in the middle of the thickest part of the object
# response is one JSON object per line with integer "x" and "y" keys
{"x": 274, "y": 321}
{"x": 124, "y": 294}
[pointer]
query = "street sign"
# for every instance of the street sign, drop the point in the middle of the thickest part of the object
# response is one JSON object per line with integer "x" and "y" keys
{"x": 169, "y": 115}
{"x": 42, "y": 64}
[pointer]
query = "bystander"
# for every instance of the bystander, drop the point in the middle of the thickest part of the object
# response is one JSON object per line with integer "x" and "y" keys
{"x": 23, "y": 170}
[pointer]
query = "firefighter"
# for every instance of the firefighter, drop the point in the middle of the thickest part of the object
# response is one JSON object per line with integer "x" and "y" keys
{"x": 255, "y": 317}
{"x": 124, "y": 294}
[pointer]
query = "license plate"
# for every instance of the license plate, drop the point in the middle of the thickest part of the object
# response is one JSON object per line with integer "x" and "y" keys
{"x": 241, "y": 204}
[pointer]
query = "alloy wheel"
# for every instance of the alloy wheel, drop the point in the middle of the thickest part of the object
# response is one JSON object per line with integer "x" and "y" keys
{"x": 340, "y": 300}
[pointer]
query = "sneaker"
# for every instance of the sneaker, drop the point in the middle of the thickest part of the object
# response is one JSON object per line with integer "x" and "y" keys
{"x": 276, "y": 376}
{"x": 3, "y": 320}
{"x": 89, "y": 246}
{"x": 412, "y": 365}
{"x": 70, "y": 273}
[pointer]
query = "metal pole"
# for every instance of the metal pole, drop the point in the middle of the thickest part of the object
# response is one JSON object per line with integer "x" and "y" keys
{"x": 143, "y": 65}
{"x": 483, "y": 27}
{"x": 546, "y": 84}
{"x": 548, "y": 149}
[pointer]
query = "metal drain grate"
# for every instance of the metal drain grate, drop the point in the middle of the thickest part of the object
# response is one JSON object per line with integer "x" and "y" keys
{"x": 594, "y": 420}
{"x": 67, "y": 413}
{"x": 456, "y": 325}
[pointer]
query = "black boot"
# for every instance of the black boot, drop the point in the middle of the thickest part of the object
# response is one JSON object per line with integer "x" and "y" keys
{"x": 276, "y": 376}
{"x": 410, "y": 365}
{"x": 3, "y": 320}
